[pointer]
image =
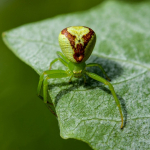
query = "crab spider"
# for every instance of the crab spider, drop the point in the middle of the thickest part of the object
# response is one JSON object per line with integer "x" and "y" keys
{"x": 77, "y": 43}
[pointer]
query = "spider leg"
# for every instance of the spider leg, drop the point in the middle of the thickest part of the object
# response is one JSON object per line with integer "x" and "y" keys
{"x": 61, "y": 55}
{"x": 98, "y": 78}
{"x": 70, "y": 78}
{"x": 61, "y": 60}
{"x": 98, "y": 65}
{"x": 84, "y": 77}
{"x": 44, "y": 80}
{"x": 38, "y": 93}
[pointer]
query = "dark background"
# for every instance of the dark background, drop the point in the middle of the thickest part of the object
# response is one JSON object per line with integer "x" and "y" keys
{"x": 25, "y": 122}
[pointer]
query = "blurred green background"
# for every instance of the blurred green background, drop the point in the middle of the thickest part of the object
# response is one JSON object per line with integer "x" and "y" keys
{"x": 25, "y": 122}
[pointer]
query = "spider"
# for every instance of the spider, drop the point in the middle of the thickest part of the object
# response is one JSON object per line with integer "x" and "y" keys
{"x": 76, "y": 43}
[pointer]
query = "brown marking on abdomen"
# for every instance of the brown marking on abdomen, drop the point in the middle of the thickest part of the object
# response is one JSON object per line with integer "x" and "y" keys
{"x": 70, "y": 37}
{"x": 87, "y": 37}
{"x": 79, "y": 53}
{"x": 79, "y": 49}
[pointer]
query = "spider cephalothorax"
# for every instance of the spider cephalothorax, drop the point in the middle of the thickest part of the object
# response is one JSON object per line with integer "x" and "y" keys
{"x": 77, "y": 43}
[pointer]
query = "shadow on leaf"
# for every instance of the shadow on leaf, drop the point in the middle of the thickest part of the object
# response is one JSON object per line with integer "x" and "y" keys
{"x": 113, "y": 70}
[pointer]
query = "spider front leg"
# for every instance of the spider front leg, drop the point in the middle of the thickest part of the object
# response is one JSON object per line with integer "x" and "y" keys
{"x": 98, "y": 78}
{"x": 63, "y": 60}
{"x": 48, "y": 75}
{"x": 98, "y": 65}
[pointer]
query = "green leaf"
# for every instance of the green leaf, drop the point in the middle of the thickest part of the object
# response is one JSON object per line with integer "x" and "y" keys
{"x": 89, "y": 112}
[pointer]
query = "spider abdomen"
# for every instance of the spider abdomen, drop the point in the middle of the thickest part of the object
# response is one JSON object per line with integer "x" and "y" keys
{"x": 77, "y": 43}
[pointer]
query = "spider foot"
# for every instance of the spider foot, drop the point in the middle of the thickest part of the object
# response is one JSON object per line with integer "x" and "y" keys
{"x": 41, "y": 97}
{"x": 51, "y": 110}
{"x": 50, "y": 103}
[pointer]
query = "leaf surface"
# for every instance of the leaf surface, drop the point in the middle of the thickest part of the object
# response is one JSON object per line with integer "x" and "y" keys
{"x": 89, "y": 112}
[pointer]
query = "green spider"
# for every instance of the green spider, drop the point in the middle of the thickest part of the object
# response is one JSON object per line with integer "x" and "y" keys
{"x": 77, "y": 43}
